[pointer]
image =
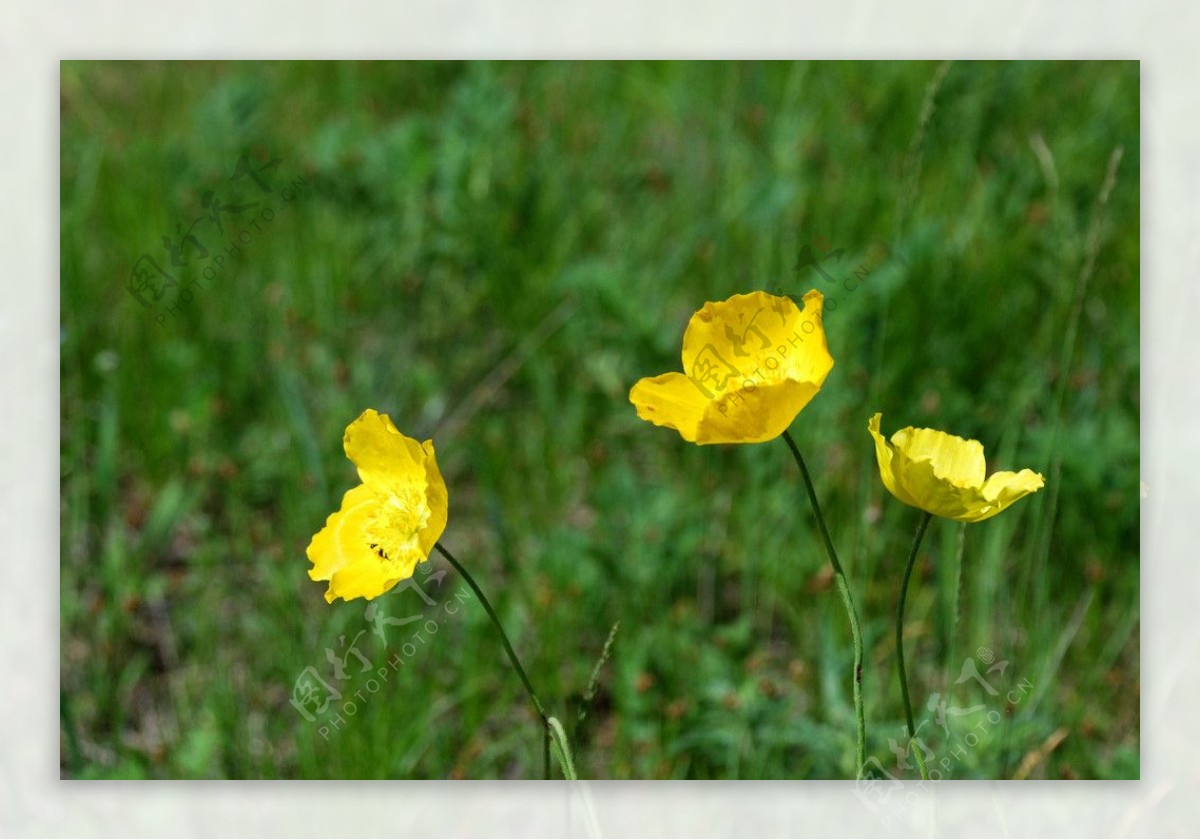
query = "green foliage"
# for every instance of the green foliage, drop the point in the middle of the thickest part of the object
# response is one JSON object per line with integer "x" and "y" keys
{"x": 492, "y": 254}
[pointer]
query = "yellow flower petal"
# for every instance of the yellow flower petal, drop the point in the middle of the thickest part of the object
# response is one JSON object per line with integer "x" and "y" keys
{"x": 958, "y": 461}
{"x": 745, "y": 416}
{"x": 934, "y": 493}
{"x": 343, "y": 541}
{"x": 755, "y": 415}
{"x": 1003, "y": 488}
{"x": 751, "y": 363}
{"x": 671, "y": 400}
{"x": 946, "y": 475}
{"x": 363, "y": 579}
{"x": 385, "y": 458}
{"x": 883, "y": 455}
{"x": 438, "y": 500}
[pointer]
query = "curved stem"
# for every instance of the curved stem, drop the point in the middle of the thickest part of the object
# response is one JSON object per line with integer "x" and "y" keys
{"x": 844, "y": 589}
{"x": 512, "y": 655}
{"x": 566, "y": 760}
{"x": 908, "y": 715}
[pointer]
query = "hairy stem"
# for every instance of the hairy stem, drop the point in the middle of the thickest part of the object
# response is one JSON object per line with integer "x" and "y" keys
{"x": 908, "y": 715}
{"x": 844, "y": 590}
{"x": 512, "y": 656}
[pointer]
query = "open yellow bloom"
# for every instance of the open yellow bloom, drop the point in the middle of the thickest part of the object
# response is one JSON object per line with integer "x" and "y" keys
{"x": 390, "y": 522}
{"x": 945, "y": 475}
{"x": 751, "y": 363}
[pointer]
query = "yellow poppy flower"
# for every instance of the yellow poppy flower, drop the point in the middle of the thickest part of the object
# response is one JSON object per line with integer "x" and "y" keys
{"x": 945, "y": 475}
{"x": 751, "y": 363}
{"x": 390, "y": 522}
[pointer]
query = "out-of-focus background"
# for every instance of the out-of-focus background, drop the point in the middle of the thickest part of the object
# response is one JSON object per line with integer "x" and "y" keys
{"x": 492, "y": 254}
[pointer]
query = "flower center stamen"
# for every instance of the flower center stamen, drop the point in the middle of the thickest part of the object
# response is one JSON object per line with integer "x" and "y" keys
{"x": 394, "y": 526}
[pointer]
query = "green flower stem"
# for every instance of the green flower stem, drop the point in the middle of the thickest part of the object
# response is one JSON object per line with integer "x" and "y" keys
{"x": 844, "y": 590}
{"x": 908, "y": 715}
{"x": 512, "y": 656}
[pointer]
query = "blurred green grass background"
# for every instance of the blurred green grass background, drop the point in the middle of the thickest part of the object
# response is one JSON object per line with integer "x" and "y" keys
{"x": 492, "y": 254}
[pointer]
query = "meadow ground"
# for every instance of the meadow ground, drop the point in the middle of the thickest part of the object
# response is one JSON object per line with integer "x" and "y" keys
{"x": 493, "y": 254}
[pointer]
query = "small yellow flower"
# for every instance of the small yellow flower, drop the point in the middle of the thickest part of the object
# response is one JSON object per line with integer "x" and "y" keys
{"x": 945, "y": 475}
{"x": 390, "y": 522}
{"x": 751, "y": 363}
